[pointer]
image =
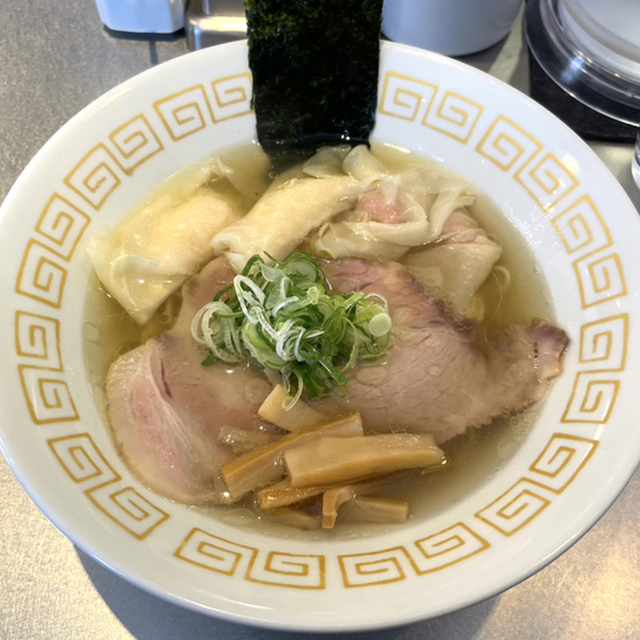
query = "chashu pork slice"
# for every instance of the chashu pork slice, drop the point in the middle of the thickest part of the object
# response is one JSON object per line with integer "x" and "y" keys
{"x": 166, "y": 410}
{"x": 435, "y": 379}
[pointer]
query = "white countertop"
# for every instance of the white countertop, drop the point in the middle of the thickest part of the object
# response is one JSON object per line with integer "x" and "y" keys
{"x": 55, "y": 58}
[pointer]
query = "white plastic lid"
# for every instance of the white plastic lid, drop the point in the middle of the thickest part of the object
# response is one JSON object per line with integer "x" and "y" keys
{"x": 591, "y": 48}
{"x": 609, "y": 31}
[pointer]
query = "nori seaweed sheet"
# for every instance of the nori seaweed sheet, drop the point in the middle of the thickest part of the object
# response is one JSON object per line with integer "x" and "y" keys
{"x": 315, "y": 70}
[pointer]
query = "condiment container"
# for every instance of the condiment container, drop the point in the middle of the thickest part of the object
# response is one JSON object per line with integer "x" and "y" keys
{"x": 142, "y": 16}
{"x": 451, "y": 27}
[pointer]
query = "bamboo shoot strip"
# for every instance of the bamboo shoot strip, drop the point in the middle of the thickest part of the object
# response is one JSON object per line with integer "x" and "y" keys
{"x": 282, "y": 494}
{"x": 331, "y": 502}
{"x": 298, "y": 519}
{"x": 315, "y": 70}
{"x": 375, "y": 509}
{"x": 263, "y": 466}
{"x": 299, "y": 417}
{"x": 333, "y": 460}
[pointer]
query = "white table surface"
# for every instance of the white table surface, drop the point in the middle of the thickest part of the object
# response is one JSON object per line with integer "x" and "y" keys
{"x": 55, "y": 58}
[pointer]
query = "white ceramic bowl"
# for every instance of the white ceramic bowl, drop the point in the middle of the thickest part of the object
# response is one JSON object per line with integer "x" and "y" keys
{"x": 580, "y": 453}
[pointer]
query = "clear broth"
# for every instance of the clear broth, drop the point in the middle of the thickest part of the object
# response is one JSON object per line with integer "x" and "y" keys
{"x": 473, "y": 456}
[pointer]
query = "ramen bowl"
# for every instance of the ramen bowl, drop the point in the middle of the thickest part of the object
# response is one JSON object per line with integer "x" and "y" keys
{"x": 565, "y": 472}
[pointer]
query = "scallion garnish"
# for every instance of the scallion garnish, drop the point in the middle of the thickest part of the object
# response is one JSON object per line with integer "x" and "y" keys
{"x": 282, "y": 318}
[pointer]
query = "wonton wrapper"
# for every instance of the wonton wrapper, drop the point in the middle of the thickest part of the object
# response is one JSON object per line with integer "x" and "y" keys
{"x": 456, "y": 266}
{"x": 285, "y": 216}
{"x": 159, "y": 245}
{"x": 422, "y": 212}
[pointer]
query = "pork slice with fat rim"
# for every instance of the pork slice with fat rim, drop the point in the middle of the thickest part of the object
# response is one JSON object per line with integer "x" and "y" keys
{"x": 435, "y": 379}
{"x": 167, "y": 410}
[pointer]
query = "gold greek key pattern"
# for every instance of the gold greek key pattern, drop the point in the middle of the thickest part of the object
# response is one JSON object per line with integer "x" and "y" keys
{"x": 547, "y": 181}
{"x": 375, "y": 568}
{"x": 82, "y": 461}
{"x": 40, "y": 277}
{"x": 603, "y": 343}
{"x": 61, "y": 225}
{"x": 561, "y": 461}
{"x": 288, "y": 570}
{"x": 232, "y": 96}
{"x": 275, "y": 568}
{"x": 127, "y": 508}
{"x": 506, "y": 144}
{"x": 581, "y": 227}
{"x": 515, "y": 508}
{"x": 405, "y": 97}
{"x": 47, "y": 394}
{"x": 592, "y": 398}
{"x": 136, "y": 142}
{"x": 96, "y": 176}
{"x": 38, "y": 337}
{"x": 447, "y": 547}
{"x": 600, "y": 278}
{"x": 215, "y": 554}
{"x": 184, "y": 113}
{"x": 456, "y": 116}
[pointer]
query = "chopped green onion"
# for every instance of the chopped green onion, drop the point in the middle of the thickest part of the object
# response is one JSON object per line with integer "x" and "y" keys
{"x": 283, "y": 318}
{"x": 380, "y": 325}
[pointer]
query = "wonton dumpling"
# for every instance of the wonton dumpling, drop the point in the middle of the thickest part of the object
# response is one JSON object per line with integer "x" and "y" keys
{"x": 327, "y": 162}
{"x": 336, "y": 240}
{"x": 159, "y": 245}
{"x": 456, "y": 266}
{"x": 284, "y": 216}
{"x": 394, "y": 213}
